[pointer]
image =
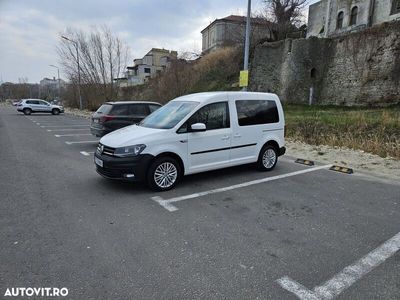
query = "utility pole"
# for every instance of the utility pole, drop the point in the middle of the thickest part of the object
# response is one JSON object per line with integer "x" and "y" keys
{"x": 79, "y": 70}
{"x": 247, "y": 45}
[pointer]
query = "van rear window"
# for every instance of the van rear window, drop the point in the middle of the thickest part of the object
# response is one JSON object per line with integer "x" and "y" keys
{"x": 254, "y": 112}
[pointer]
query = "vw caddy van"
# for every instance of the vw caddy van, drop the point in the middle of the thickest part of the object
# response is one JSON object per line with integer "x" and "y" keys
{"x": 195, "y": 133}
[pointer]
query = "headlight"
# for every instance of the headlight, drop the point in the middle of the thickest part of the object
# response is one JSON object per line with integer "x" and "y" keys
{"x": 129, "y": 151}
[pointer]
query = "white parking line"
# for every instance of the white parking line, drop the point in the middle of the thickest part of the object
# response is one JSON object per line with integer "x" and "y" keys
{"x": 166, "y": 203}
{"x": 348, "y": 276}
{"x": 86, "y": 153}
{"x": 63, "y": 126}
{"x": 71, "y": 129}
{"x": 81, "y": 142}
{"x": 77, "y": 134}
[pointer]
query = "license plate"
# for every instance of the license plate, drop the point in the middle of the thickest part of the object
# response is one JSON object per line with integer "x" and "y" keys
{"x": 98, "y": 162}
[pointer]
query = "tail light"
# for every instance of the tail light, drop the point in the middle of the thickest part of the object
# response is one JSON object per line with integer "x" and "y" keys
{"x": 105, "y": 118}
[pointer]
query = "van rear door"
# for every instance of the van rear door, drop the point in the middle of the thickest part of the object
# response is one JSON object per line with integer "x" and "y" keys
{"x": 255, "y": 118}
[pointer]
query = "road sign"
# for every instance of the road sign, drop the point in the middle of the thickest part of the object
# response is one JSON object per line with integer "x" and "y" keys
{"x": 244, "y": 78}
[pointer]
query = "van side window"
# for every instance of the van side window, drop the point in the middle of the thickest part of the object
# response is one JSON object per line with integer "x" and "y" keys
{"x": 214, "y": 116}
{"x": 254, "y": 112}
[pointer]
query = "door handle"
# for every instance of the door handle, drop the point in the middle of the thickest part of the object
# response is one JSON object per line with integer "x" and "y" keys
{"x": 226, "y": 137}
{"x": 237, "y": 135}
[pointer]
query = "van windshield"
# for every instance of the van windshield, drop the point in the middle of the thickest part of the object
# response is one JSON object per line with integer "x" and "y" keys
{"x": 169, "y": 115}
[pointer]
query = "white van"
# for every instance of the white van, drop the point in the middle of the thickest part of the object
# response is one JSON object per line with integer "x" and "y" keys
{"x": 195, "y": 133}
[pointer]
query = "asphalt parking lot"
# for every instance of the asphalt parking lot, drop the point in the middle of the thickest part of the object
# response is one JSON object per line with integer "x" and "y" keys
{"x": 297, "y": 232}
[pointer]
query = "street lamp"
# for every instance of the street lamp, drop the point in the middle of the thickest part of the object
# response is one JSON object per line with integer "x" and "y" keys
{"x": 58, "y": 80}
{"x": 79, "y": 72}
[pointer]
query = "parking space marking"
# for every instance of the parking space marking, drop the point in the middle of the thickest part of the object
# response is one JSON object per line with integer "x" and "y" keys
{"x": 86, "y": 153}
{"x": 71, "y": 129}
{"x": 63, "y": 126}
{"x": 348, "y": 276}
{"x": 81, "y": 142}
{"x": 72, "y": 134}
{"x": 166, "y": 203}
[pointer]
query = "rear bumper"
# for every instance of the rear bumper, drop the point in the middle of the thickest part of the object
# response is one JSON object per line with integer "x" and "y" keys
{"x": 282, "y": 151}
{"x": 99, "y": 132}
{"x": 126, "y": 169}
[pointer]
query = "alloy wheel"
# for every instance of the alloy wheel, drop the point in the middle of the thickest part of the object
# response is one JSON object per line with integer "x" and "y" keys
{"x": 269, "y": 158}
{"x": 165, "y": 175}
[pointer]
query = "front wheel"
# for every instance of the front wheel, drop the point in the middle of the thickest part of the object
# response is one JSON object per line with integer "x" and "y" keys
{"x": 163, "y": 174}
{"x": 55, "y": 111}
{"x": 267, "y": 159}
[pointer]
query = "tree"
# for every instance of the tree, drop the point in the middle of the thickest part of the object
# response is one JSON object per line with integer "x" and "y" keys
{"x": 102, "y": 59}
{"x": 286, "y": 14}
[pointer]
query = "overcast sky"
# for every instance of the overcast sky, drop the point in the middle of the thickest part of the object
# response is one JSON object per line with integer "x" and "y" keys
{"x": 30, "y": 29}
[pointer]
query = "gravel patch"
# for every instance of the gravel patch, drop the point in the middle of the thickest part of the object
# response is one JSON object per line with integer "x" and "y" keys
{"x": 357, "y": 159}
{"x": 87, "y": 114}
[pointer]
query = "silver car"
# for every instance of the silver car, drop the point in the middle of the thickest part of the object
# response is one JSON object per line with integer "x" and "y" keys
{"x": 28, "y": 106}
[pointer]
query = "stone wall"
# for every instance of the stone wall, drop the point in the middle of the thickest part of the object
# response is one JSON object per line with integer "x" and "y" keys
{"x": 361, "y": 68}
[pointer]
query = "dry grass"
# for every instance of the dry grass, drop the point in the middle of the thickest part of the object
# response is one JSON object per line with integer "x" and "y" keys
{"x": 372, "y": 130}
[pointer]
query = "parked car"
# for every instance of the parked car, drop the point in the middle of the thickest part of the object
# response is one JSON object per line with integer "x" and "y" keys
{"x": 195, "y": 133}
{"x": 28, "y": 106}
{"x": 115, "y": 115}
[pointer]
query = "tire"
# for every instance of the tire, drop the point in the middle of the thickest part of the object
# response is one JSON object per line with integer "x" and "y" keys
{"x": 27, "y": 111}
{"x": 55, "y": 111}
{"x": 267, "y": 158}
{"x": 163, "y": 174}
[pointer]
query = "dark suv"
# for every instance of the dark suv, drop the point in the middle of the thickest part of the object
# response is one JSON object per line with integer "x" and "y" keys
{"x": 114, "y": 115}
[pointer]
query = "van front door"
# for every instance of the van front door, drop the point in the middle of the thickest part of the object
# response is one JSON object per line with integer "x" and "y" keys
{"x": 209, "y": 149}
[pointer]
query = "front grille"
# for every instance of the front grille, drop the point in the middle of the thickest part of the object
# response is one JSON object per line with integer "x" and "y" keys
{"x": 106, "y": 150}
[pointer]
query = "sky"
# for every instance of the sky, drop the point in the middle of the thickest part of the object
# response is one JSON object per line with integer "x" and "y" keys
{"x": 30, "y": 29}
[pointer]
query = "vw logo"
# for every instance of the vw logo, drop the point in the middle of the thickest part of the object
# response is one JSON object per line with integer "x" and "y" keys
{"x": 101, "y": 148}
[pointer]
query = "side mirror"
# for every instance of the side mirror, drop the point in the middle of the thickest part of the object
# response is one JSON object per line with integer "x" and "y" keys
{"x": 198, "y": 127}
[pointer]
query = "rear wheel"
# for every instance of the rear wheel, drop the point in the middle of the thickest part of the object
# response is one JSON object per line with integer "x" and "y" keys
{"x": 55, "y": 111}
{"x": 267, "y": 158}
{"x": 164, "y": 173}
{"x": 27, "y": 111}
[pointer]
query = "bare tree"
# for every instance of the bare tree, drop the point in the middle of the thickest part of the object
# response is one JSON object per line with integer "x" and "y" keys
{"x": 102, "y": 59}
{"x": 285, "y": 14}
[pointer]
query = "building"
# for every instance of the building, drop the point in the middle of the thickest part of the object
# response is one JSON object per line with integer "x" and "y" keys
{"x": 45, "y": 82}
{"x": 334, "y": 17}
{"x": 154, "y": 62}
{"x": 50, "y": 88}
{"x": 230, "y": 31}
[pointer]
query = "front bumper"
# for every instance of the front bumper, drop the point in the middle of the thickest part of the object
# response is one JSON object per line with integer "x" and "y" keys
{"x": 123, "y": 168}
